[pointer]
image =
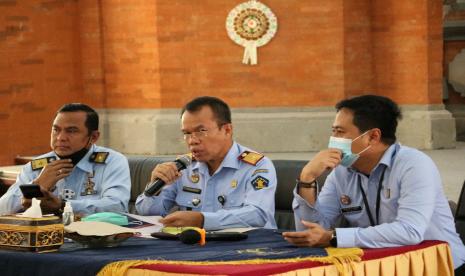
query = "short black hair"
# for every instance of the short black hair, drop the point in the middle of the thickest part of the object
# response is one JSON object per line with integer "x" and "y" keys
{"x": 92, "y": 120}
{"x": 372, "y": 111}
{"x": 220, "y": 109}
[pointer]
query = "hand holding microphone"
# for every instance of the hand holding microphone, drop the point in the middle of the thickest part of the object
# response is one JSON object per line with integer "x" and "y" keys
{"x": 166, "y": 173}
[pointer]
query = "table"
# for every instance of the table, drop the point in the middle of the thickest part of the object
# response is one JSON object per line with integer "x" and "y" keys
{"x": 427, "y": 258}
{"x": 264, "y": 252}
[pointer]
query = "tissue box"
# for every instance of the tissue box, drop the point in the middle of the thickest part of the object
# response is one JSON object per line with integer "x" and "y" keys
{"x": 31, "y": 234}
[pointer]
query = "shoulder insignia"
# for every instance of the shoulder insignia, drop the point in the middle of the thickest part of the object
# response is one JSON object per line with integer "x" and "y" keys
{"x": 251, "y": 157}
{"x": 99, "y": 157}
{"x": 38, "y": 164}
{"x": 260, "y": 182}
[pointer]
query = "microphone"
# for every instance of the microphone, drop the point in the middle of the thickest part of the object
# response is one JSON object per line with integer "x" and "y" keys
{"x": 155, "y": 187}
{"x": 192, "y": 236}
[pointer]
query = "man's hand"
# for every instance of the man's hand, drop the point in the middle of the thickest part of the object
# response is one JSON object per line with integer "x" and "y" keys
{"x": 168, "y": 172}
{"x": 183, "y": 218}
{"x": 53, "y": 172}
{"x": 49, "y": 203}
{"x": 315, "y": 236}
{"x": 323, "y": 160}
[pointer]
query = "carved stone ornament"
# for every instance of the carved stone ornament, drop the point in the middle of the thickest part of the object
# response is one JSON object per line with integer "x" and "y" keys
{"x": 251, "y": 25}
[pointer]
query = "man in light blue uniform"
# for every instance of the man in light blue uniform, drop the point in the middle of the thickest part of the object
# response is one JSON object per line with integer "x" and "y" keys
{"x": 389, "y": 194}
{"x": 92, "y": 178}
{"x": 227, "y": 185}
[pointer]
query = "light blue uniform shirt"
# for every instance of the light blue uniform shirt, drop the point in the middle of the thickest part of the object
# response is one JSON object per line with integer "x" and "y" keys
{"x": 244, "y": 205}
{"x": 111, "y": 179}
{"x": 413, "y": 206}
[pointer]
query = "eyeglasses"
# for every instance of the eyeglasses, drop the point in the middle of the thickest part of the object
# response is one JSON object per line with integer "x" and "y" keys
{"x": 196, "y": 134}
{"x": 202, "y": 133}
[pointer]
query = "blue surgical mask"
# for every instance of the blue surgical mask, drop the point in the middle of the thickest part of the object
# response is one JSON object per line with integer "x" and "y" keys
{"x": 345, "y": 145}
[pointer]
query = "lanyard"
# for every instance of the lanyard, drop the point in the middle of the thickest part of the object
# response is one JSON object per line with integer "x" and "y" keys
{"x": 378, "y": 198}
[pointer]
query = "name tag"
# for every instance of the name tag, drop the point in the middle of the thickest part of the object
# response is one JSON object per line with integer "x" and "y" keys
{"x": 351, "y": 209}
{"x": 191, "y": 190}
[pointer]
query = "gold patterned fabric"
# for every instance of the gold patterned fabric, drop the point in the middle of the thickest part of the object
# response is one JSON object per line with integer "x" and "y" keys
{"x": 31, "y": 234}
{"x": 431, "y": 261}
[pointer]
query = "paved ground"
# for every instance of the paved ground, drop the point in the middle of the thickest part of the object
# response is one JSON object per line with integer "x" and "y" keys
{"x": 451, "y": 164}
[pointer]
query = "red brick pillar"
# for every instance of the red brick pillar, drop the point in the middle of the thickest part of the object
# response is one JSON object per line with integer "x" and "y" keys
{"x": 407, "y": 50}
{"x": 130, "y": 53}
{"x": 91, "y": 52}
{"x": 358, "y": 47}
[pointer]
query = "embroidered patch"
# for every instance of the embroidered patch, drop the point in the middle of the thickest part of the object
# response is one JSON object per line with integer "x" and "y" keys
{"x": 42, "y": 162}
{"x": 99, "y": 157}
{"x": 259, "y": 171}
{"x": 191, "y": 190}
{"x": 250, "y": 157}
{"x": 234, "y": 183}
{"x": 260, "y": 182}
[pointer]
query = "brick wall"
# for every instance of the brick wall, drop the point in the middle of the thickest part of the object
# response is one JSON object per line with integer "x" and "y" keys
{"x": 192, "y": 55}
{"x": 322, "y": 52}
{"x": 405, "y": 37}
{"x": 159, "y": 54}
{"x": 39, "y": 63}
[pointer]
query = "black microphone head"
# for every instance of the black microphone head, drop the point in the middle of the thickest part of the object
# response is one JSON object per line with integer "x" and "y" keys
{"x": 190, "y": 236}
{"x": 184, "y": 161}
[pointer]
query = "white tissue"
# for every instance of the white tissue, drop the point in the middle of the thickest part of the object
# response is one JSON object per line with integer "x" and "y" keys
{"x": 34, "y": 211}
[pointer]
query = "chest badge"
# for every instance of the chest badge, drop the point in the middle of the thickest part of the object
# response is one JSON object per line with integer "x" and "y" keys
{"x": 89, "y": 186}
{"x": 345, "y": 200}
{"x": 234, "y": 183}
{"x": 387, "y": 193}
{"x": 222, "y": 200}
{"x": 195, "y": 178}
{"x": 68, "y": 194}
{"x": 196, "y": 201}
{"x": 191, "y": 190}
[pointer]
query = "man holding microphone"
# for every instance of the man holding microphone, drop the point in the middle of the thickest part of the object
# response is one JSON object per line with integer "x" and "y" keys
{"x": 227, "y": 185}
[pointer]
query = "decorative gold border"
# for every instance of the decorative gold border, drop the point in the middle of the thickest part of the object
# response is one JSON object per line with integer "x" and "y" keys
{"x": 23, "y": 236}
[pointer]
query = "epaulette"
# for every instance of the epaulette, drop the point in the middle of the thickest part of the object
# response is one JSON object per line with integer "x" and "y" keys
{"x": 38, "y": 164}
{"x": 251, "y": 157}
{"x": 99, "y": 157}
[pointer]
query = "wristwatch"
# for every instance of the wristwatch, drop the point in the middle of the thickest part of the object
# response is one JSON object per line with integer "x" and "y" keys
{"x": 301, "y": 184}
{"x": 333, "y": 240}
